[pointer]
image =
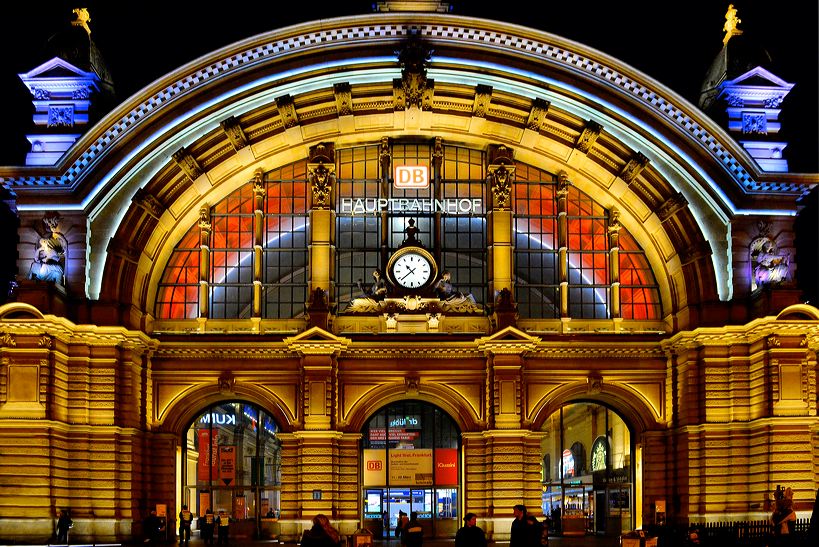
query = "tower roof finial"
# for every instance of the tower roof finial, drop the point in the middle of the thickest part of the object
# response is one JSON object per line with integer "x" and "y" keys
{"x": 82, "y": 20}
{"x": 731, "y": 22}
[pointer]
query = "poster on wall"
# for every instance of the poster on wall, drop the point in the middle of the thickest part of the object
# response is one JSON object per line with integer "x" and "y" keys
{"x": 227, "y": 464}
{"x": 375, "y": 467}
{"x": 446, "y": 466}
{"x": 411, "y": 467}
{"x": 207, "y": 452}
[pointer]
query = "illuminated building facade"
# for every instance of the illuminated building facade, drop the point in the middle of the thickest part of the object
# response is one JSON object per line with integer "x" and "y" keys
{"x": 307, "y": 274}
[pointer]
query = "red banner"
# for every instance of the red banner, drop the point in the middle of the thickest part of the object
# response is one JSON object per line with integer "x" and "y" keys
{"x": 446, "y": 466}
{"x": 207, "y": 451}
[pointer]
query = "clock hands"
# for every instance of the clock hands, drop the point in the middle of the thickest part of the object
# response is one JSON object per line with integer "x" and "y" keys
{"x": 410, "y": 272}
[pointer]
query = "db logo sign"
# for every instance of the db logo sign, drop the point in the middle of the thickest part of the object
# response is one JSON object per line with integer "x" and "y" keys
{"x": 374, "y": 465}
{"x": 411, "y": 176}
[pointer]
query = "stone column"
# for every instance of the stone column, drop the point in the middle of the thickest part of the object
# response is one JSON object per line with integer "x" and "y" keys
{"x": 258, "y": 240}
{"x": 500, "y": 244}
{"x": 563, "y": 241}
{"x": 321, "y": 172}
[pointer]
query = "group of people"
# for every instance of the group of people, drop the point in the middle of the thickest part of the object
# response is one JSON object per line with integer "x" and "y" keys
{"x": 409, "y": 530}
{"x": 220, "y": 523}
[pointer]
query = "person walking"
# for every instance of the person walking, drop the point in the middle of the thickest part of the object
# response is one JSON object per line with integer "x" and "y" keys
{"x": 517, "y": 536}
{"x": 64, "y": 522}
{"x": 470, "y": 535}
{"x": 185, "y": 521}
{"x": 322, "y": 534}
{"x": 413, "y": 533}
{"x": 400, "y": 525}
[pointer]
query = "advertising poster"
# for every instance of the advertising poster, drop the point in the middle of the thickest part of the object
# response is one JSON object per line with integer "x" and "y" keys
{"x": 207, "y": 453}
{"x": 411, "y": 467}
{"x": 446, "y": 466}
{"x": 375, "y": 467}
{"x": 227, "y": 464}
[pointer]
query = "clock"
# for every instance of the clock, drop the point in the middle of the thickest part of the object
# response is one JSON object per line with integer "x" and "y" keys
{"x": 411, "y": 267}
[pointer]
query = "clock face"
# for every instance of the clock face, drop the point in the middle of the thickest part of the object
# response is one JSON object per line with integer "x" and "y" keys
{"x": 411, "y": 270}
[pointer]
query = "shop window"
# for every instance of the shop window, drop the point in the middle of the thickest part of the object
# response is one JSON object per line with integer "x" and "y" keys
{"x": 411, "y": 451}
{"x": 233, "y": 462}
{"x": 591, "y": 492}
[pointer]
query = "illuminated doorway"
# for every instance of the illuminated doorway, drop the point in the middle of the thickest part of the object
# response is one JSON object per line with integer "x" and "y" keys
{"x": 588, "y": 471}
{"x": 411, "y": 451}
{"x": 232, "y": 463}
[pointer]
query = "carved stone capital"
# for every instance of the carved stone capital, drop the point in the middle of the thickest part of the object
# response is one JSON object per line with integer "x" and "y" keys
{"x": 588, "y": 136}
{"x": 614, "y": 222}
{"x": 501, "y": 170}
{"x": 321, "y": 173}
{"x": 385, "y": 157}
{"x": 437, "y": 153}
{"x": 204, "y": 222}
{"x": 234, "y": 132}
{"x": 187, "y": 163}
{"x": 563, "y": 184}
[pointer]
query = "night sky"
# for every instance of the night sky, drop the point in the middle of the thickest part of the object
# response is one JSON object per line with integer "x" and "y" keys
{"x": 673, "y": 42}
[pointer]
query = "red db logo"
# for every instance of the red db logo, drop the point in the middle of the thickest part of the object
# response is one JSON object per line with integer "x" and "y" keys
{"x": 411, "y": 176}
{"x": 374, "y": 465}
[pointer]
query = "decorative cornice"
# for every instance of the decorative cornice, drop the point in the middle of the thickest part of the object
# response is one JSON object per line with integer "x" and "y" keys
{"x": 303, "y": 39}
{"x": 231, "y": 353}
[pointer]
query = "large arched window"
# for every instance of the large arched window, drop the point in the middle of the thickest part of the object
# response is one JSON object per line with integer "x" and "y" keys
{"x": 233, "y": 463}
{"x": 584, "y": 267}
{"x": 410, "y": 463}
{"x": 228, "y": 237}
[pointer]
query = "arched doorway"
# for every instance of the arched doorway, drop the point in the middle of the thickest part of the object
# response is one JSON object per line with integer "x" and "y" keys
{"x": 588, "y": 470}
{"x": 411, "y": 451}
{"x": 232, "y": 463}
